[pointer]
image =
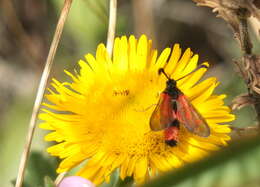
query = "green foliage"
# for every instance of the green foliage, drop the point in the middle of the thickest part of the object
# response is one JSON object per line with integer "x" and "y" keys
{"x": 48, "y": 182}
{"x": 38, "y": 168}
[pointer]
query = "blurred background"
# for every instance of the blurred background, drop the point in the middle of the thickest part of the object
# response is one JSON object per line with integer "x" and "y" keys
{"x": 26, "y": 30}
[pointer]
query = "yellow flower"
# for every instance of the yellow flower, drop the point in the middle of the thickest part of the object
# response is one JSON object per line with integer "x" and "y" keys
{"x": 103, "y": 115}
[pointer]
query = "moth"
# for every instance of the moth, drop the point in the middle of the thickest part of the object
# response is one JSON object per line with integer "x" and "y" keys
{"x": 174, "y": 109}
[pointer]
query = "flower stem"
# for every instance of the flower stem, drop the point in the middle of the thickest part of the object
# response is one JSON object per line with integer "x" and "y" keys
{"x": 111, "y": 26}
{"x": 41, "y": 89}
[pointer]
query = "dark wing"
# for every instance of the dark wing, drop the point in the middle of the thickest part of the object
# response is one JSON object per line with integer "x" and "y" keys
{"x": 191, "y": 118}
{"x": 163, "y": 115}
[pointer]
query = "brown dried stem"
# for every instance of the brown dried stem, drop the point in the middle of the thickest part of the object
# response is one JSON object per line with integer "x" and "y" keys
{"x": 41, "y": 89}
{"x": 236, "y": 14}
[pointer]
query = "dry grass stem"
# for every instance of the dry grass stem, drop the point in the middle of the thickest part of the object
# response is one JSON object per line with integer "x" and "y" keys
{"x": 237, "y": 13}
{"x": 40, "y": 92}
{"x": 111, "y": 26}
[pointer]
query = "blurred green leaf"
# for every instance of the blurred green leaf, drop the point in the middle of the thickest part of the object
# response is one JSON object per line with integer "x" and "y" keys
{"x": 48, "y": 182}
{"x": 234, "y": 166}
{"x": 38, "y": 168}
{"x": 115, "y": 181}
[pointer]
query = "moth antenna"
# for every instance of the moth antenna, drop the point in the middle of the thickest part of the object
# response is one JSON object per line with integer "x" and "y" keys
{"x": 199, "y": 67}
{"x": 161, "y": 71}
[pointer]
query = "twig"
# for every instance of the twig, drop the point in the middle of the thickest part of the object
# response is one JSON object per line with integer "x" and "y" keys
{"x": 250, "y": 62}
{"x": 111, "y": 26}
{"x": 41, "y": 89}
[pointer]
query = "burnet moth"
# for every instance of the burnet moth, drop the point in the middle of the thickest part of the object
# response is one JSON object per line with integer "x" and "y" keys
{"x": 174, "y": 109}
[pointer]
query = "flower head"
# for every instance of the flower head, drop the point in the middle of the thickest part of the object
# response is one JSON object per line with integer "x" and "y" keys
{"x": 103, "y": 115}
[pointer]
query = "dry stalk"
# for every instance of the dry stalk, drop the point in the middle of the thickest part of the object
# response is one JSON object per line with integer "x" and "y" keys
{"x": 111, "y": 26}
{"x": 236, "y": 14}
{"x": 41, "y": 89}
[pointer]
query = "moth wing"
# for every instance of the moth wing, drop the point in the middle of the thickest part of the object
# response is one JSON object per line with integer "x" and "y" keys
{"x": 163, "y": 115}
{"x": 191, "y": 118}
